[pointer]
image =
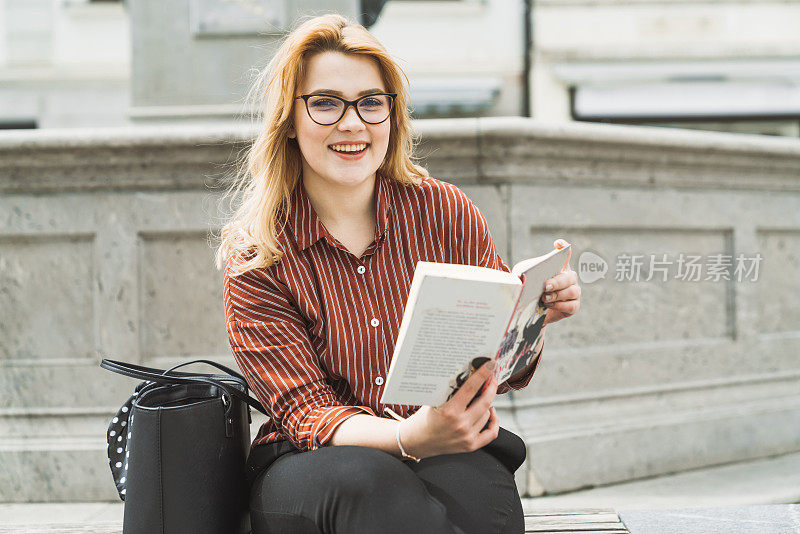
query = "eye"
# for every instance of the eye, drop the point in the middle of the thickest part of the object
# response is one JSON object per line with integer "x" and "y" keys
{"x": 372, "y": 102}
{"x": 322, "y": 103}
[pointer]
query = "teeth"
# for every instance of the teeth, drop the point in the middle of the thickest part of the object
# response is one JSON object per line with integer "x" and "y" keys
{"x": 349, "y": 148}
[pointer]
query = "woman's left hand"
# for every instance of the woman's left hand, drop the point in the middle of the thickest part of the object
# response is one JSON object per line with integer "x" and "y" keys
{"x": 564, "y": 297}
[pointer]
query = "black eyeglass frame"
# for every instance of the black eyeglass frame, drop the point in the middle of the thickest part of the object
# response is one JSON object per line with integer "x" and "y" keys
{"x": 347, "y": 104}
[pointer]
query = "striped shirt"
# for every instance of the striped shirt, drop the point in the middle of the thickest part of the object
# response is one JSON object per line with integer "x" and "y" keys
{"x": 315, "y": 333}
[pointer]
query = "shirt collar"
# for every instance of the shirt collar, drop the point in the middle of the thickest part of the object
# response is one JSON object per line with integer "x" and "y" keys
{"x": 307, "y": 227}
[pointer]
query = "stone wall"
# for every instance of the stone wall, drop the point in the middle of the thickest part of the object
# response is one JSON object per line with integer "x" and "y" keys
{"x": 104, "y": 252}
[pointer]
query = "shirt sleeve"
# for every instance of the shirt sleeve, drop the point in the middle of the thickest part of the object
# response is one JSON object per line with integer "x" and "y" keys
{"x": 478, "y": 248}
{"x": 271, "y": 345}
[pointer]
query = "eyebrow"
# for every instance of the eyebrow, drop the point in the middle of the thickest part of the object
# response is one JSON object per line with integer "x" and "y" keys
{"x": 339, "y": 93}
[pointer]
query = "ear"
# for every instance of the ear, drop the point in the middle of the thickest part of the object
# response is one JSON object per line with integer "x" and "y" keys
{"x": 292, "y": 133}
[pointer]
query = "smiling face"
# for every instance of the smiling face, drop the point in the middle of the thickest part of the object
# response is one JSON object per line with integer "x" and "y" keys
{"x": 324, "y": 147}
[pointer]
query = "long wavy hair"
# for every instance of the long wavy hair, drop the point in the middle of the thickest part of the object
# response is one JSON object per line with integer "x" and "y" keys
{"x": 271, "y": 167}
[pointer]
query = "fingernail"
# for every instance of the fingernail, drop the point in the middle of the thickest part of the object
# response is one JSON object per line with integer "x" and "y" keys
{"x": 549, "y": 287}
{"x": 548, "y": 297}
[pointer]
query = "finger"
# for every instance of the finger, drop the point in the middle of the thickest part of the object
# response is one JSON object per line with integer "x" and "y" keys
{"x": 567, "y": 307}
{"x": 559, "y": 244}
{"x": 572, "y": 277}
{"x": 481, "y": 422}
{"x": 477, "y": 410}
{"x": 570, "y": 293}
{"x": 468, "y": 390}
{"x": 490, "y": 434}
{"x": 559, "y": 281}
{"x": 562, "y": 280}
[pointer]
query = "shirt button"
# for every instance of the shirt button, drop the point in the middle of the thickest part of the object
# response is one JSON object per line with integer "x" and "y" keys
{"x": 361, "y": 269}
{"x": 374, "y": 322}
{"x": 379, "y": 380}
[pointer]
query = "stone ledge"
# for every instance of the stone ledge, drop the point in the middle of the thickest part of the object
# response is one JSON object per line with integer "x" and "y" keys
{"x": 486, "y": 150}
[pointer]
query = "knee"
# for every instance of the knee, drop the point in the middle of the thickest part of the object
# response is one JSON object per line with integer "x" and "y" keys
{"x": 520, "y": 450}
{"x": 381, "y": 490}
{"x": 509, "y": 449}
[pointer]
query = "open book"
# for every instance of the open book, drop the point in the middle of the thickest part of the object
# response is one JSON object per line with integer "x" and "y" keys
{"x": 459, "y": 316}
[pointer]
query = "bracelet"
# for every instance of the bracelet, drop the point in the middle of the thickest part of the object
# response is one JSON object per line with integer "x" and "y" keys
{"x": 400, "y": 445}
{"x": 397, "y": 435}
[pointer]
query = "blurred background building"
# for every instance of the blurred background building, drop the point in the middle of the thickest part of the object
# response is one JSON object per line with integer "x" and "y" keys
{"x": 718, "y": 65}
{"x": 63, "y": 63}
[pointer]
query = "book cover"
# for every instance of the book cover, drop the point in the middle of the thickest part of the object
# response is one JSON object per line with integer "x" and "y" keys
{"x": 459, "y": 316}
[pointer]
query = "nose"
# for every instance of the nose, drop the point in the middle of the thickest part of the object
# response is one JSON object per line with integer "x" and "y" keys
{"x": 351, "y": 120}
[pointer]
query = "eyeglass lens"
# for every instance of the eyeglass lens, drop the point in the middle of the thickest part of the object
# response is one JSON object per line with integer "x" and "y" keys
{"x": 328, "y": 110}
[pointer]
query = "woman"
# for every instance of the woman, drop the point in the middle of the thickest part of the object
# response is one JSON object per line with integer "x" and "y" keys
{"x": 318, "y": 262}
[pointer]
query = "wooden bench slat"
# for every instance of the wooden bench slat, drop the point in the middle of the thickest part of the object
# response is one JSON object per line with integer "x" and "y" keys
{"x": 107, "y": 527}
{"x": 599, "y": 518}
{"x": 568, "y": 511}
{"x": 577, "y": 531}
{"x": 584, "y": 521}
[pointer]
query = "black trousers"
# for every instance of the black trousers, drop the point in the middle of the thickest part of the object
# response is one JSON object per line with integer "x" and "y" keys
{"x": 353, "y": 489}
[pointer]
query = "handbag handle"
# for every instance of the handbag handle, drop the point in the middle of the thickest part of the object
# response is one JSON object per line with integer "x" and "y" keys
{"x": 162, "y": 377}
{"x": 146, "y": 373}
{"x": 209, "y": 362}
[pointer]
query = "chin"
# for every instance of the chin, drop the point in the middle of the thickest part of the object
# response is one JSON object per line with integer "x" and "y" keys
{"x": 341, "y": 180}
{"x": 351, "y": 176}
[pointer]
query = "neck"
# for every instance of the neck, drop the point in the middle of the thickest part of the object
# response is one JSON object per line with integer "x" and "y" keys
{"x": 341, "y": 205}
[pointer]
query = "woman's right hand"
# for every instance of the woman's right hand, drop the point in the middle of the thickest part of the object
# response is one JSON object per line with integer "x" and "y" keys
{"x": 455, "y": 427}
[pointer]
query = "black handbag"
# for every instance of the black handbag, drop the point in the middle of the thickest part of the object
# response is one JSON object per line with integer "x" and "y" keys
{"x": 178, "y": 448}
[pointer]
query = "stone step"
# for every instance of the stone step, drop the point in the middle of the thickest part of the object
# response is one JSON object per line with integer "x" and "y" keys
{"x": 763, "y": 519}
{"x": 579, "y": 443}
{"x": 40, "y": 468}
{"x": 767, "y": 481}
{"x": 628, "y": 435}
{"x": 774, "y": 480}
{"x": 37, "y": 469}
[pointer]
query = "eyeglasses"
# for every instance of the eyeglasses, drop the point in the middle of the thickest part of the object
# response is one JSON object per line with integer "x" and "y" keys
{"x": 329, "y": 109}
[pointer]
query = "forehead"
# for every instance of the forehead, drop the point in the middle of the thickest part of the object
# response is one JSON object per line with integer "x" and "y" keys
{"x": 347, "y": 73}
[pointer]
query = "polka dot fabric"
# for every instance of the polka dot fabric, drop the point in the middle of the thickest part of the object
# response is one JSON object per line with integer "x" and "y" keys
{"x": 119, "y": 430}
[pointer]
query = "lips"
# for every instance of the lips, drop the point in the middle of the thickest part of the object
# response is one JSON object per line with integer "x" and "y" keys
{"x": 350, "y": 155}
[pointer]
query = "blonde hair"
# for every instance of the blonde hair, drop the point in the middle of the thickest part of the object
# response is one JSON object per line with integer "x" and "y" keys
{"x": 271, "y": 167}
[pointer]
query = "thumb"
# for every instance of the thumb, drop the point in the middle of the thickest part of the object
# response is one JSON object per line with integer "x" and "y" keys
{"x": 559, "y": 244}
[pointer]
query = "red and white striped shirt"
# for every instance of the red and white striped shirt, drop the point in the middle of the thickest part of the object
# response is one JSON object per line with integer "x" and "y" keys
{"x": 314, "y": 334}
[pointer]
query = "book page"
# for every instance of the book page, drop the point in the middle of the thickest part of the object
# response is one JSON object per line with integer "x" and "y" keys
{"x": 527, "y": 321}
{"x": 450, "y": 323}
